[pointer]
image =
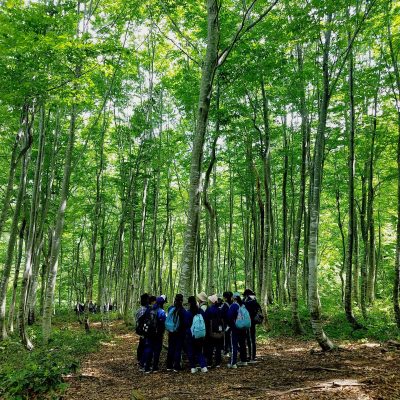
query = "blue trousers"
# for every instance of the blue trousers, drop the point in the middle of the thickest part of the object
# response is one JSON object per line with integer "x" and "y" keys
{"x": 214, "y": 346}
{"x": 194, "y": 349}
{"x": 139, "y": 351}
{"x": 175, "y": 343}
{"x": 152, "y": 351}
{"x": 238, "y": 342}
{"x": 251, "y": 341}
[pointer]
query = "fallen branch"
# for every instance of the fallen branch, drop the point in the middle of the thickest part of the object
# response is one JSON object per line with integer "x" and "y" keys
{"x": 319, "y": 387}
{"x": 319, "y": 368}
{"x": 299, "y": 389}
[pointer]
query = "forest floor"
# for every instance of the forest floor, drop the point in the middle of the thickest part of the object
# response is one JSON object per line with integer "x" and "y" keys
{"x": 287, "y": 369}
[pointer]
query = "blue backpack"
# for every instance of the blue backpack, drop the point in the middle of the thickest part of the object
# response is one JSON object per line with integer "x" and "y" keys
{"x": 172, "y": 321}
{"x": 243, "y": 320}
{"x": 198, "y": 327}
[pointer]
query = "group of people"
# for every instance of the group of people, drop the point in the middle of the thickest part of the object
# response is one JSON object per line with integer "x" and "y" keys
{"x": 205, "y": 330}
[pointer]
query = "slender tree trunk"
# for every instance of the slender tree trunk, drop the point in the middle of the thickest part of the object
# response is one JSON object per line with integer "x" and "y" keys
{"x": 13, "y": 236}
{"x": 370, "y": 216}
{"x": 284, "y": 287}
{"x": 95, "y": 223}
{"x": 32, "y": 231}
{"x": 356, "y": 272}
{"x": 58, "y": 231}
{"x": 313, "y": 296}
{"x": 396, "y": 286}
{"x": 364, "y": 235}
{"x": 343, "y": 240}
{"x": 16, "y": 277}
{"x": 348, "y": 303}
{"x": 294, "y": 261}
{"x": 16, "y": 155}
{"x": 395, "y": 65}
{"x": 211, "y": 286}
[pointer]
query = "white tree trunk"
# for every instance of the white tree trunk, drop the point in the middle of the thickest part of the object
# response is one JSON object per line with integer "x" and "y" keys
{"x": 57, "y": 233}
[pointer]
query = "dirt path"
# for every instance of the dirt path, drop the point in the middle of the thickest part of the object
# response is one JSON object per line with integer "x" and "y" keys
{"x": 287, "y": 369}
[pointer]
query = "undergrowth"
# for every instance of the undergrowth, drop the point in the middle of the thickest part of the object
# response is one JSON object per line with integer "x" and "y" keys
{"x": 39, "y": 374}
{"x": 379, "y": 326}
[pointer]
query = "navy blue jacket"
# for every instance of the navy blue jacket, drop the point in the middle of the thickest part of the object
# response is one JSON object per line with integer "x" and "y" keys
{"x": 252, "y": 307}
{"x": 232, "y": 314}
{"x": 212, "y": 312}
{"x": 183, "y": 320}
{"x": 224, "y": 312}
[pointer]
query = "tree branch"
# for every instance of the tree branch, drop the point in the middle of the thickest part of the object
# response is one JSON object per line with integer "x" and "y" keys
{"x": 242, "y": 29}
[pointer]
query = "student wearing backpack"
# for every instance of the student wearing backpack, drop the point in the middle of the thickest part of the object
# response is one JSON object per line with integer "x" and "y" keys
{"x": 256, "y": 316}
{"x": 144, "y": 304}
{"x": 227, "y": 296}
{"x": 154, "y": 336}
{"x": 175, "y": 324}
{"x": 215, "y": 331}
{"x": 195, "y": 336}
{"x": 239, "y": 321}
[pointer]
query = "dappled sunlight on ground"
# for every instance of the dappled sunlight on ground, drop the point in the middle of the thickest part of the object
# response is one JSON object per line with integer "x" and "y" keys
{"x": 287, "y": 369}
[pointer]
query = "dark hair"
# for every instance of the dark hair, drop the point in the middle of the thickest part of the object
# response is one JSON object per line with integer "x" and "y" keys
{"x": 178, "y": 300}
{"x": 144, "y": 299}
{"x": 248, "y": 292}
{"x": 239, "y": 300}
{"x": 152, "y": 299}
{"x": 193, "y": 307}
{"x": 228, "y": 296}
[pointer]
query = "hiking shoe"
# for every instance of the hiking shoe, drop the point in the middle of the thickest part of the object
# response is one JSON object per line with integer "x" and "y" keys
{"x": 193, "y": 370}
{"x": 218, "y": 366}
{"x": 204, "y": 369}
{"x": 233, "y": 366}
{"x": 148, "y": 371}
{"x": 252, "y": 362}
{"x": 242, "y": 364}
{"x": 155, "y": 370}
{"x": 169, "y": 369}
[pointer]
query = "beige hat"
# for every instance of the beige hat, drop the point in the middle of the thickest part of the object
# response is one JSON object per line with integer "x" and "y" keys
{"x": 213, "y": 299}
{"x": 202, "y": 296}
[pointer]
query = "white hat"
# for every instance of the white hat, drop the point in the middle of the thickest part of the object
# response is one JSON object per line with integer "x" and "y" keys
{"x": 213, "y": 299}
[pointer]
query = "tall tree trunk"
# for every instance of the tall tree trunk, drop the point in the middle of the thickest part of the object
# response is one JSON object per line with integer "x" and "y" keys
{"x": 396, "y": 72}
{"x": 16, "y": 155}
{"x": 294, "y": 261}
{"x": 284, "y": 287}
{"x": 32, "y": 232}
{"x": 16, "y": 277}
{"x": 364, "y": 235}
{"x": 13, "y": 235}
{"x": 348, "y": 303}
{"x": 206, "y": 84}
{"x": 95, "y": 223}
{"x": 313, "y": 296}
{"x": 268, "y": 228}
{"x": 58, "y": 231}
{"x": 370, "y": 215}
